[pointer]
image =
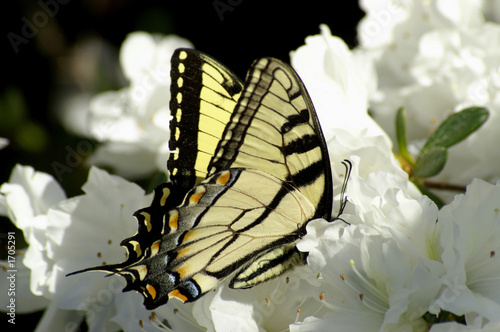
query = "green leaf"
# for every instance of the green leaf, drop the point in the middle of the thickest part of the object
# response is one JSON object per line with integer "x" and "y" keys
{"x": 457, "y": 127}
{"x": 401, "y": 136}
{"x": 430, "y": 162}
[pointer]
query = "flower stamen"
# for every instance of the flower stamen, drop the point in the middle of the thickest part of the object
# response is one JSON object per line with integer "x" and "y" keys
{"x": 367, "y": 282}
{"x": 367, "y": 302}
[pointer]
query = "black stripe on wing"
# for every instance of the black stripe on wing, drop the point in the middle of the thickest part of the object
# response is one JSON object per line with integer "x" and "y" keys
{"x": 203, "y": 96}
{"x": 274, "y": 128}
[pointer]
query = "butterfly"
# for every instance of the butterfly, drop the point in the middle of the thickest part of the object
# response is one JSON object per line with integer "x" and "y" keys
{"x": 248, "y": 171}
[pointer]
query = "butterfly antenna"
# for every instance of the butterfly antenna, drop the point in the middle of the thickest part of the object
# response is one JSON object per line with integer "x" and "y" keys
{"x": 343, "y": 197}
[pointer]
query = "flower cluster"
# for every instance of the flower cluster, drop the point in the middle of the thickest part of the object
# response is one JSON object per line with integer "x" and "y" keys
{"x": 434, "y": 58}
{"x": 392, "y": 261}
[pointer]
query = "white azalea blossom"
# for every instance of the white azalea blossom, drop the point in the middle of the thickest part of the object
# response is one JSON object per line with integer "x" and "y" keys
{"x": 26, "y": 199}
{"x": 3, "y": 142}
{"x": 271, "y": 306}
{"x": 371, "y": 282}
{"x": 339, "y": 91}
{"x": 435, "y": 58}
{"x": 133, "y": 123}
{"x": 338, "y": 83}
{"x": 470, "y": 240}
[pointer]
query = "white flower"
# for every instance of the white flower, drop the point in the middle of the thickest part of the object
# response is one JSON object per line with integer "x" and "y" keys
{"x": 25, "y": 199}
{"x": 370, "y": 281}
{"x": 389, "y": 253}
{"x": 470, "y": 240}
{"x": 387, "y": 21}
{"x": 270, "y": 306}
{"x": 25, "y": 300}
{"x": 133, "y": 123}
{"x": 28, "y": 196}
{"x": 338, "y": 82}
{"x": 434, "y": 58}
{"x": 3, "y": 142}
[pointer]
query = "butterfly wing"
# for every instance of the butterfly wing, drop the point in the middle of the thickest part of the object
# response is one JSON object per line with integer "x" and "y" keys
{"x": 262, "y": 152}
{"x": 274, "y": 128}
{"x": 226, "y": 226}
{"x": 204, "y": 94}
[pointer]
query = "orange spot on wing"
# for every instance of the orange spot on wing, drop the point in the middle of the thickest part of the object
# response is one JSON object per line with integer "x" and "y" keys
{"x": 183, "y": 271}
{"x": 195, "y": 198}
{"x": 155, "y": 247}
{"x": 178, "y": 295}
{"x": 223, "y": 178}
{"x": 173, "y": 222}
{"x": 188, "y": 236}
{"x": 151, "y": 290}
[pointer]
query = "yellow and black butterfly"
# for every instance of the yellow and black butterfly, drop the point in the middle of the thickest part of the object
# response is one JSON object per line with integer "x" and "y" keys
{"x": 249, "y": 171}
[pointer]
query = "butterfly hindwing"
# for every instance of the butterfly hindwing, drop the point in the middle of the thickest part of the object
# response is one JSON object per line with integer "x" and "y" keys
{"x": 211, "y": 248}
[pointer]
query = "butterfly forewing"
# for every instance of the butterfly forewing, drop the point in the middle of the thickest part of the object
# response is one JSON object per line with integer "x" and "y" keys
{"x": 274, "y": 128}
{"x": 203, "y": 96}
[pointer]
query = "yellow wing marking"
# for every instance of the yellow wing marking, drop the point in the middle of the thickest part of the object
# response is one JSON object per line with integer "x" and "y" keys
{"x": 164, "y": 196}
{"x": 142, "y": 269}
{"x": 137, "y": 247}
{"x": 147, "y": 220}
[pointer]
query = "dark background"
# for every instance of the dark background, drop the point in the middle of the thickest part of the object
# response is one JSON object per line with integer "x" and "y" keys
{"x": 34, "y": 78}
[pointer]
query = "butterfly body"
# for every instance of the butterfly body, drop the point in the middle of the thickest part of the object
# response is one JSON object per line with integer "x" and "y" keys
{"x": 250, "y": 169}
